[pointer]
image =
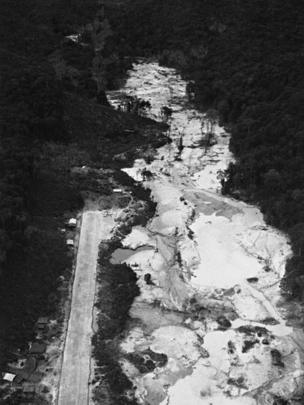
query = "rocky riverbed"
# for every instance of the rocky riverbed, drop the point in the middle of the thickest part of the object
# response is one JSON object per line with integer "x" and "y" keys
{"x": 209, "y": 325}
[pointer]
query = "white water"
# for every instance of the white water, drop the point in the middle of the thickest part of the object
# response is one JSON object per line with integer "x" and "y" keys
{"x": 230, "y": 244}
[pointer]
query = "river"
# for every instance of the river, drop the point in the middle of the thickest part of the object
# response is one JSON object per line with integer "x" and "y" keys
{"x": 209, "y": 279}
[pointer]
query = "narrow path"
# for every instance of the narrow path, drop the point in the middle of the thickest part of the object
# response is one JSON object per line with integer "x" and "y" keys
{"x": 75, "y": 371}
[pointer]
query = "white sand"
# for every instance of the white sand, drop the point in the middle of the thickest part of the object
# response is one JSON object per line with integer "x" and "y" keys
{"x": 138, "y": 237}
{"x": 206, "y": 246}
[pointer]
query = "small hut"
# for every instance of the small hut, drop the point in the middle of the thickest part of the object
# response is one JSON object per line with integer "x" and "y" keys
{"x": 70, "y": 242}
{"x": 72, "y": 223}
{"x": 8, "y": 377}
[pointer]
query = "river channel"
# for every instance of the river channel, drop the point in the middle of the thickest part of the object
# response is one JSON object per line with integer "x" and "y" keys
{"x": 209, "y": 271}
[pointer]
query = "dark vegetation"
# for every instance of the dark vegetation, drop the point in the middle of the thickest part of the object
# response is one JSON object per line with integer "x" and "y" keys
{"x": 246, "y": 60}
{"x": 117, "y": 292}
{"x": 34, "y": 195}
{"x": 118, "y": 288}
{"x": 54, "y": 116}
{"x": 147, "y": 360}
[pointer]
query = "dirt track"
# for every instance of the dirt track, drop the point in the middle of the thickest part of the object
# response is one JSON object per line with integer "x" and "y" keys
{"x": 75, "y": 372}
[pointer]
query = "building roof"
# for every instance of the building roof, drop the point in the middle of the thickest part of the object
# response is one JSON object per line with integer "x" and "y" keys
{"x": 72, "y": 221}
{"x": 8, "y": 377}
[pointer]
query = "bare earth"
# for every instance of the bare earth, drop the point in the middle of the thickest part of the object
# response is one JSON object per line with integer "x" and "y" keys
{"x": 75, "y": 373}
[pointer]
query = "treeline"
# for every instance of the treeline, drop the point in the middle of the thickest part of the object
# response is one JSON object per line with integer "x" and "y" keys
{"x": 51, "y": 119}
{"x": 34, "y": 195}
{"x": 246, "y": 58}
{"x": 54, "y": 116}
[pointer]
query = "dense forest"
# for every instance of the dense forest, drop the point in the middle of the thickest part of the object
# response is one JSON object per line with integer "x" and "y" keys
{"x": 54, "y": 116}
{"x": 35, "y": 189}
{"x": 246, "y": 60}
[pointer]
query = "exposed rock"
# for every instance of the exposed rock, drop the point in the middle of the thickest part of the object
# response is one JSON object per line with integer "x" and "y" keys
{"x": 205, "y": 288}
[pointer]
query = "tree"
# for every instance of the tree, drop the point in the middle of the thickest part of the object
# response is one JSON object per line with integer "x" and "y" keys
{"x": 166, "y": 113}
{"x": 190, "y": 90}
{"x": 297, "y": 238}
{"x": 272, "y": 180}
{"x": 211, "y": 118}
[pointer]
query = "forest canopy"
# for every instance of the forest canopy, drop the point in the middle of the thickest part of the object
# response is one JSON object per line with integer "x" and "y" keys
{"x": 245, "y": 59}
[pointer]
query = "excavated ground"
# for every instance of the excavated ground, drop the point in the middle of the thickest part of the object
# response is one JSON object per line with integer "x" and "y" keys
{"x": 209, "y": 270}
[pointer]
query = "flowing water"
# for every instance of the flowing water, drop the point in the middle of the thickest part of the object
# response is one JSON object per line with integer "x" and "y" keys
{"x": 212, "y": 304}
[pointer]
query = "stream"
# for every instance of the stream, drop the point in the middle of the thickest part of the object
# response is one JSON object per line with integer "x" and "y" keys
{"x": 209, "y": 272}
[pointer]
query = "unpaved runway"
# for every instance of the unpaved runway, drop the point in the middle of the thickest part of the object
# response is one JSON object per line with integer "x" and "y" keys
{"x": 75, "y": 372}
